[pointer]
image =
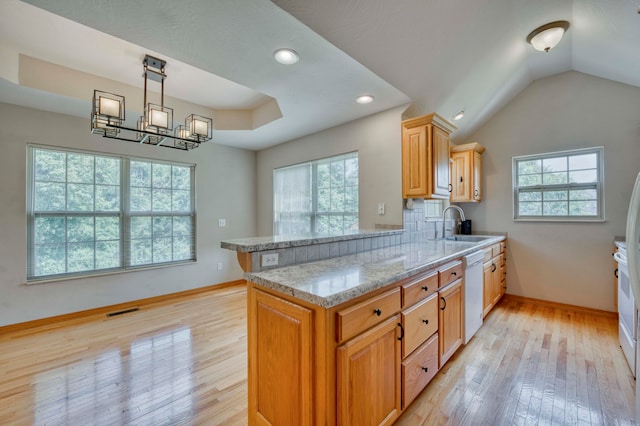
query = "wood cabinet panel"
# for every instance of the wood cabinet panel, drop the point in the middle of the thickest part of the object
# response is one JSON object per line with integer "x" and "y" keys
{"x": 441, "y": 186}
{"x": 449, "y": 273}
{"x": 419, "y": 321}
{"x": 466, "y": 172}
{"x": 414, "y": 162}
{"x": 419, "y": 289}
{"x": 418, "y": 370}
{"x": 280, "y": 357}
{"x": 356, "y": 319}
{"x": 368, "y": 371}
{"x": 450, "y": 321}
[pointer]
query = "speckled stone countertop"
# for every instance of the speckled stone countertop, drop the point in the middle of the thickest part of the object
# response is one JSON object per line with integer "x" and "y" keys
{"x": 246, "y": 245}
{"x": 330, "y": 282}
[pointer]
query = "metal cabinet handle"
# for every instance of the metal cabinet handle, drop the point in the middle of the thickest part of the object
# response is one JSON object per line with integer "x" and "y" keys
{"x": 425, "y": 369}
{"x": 476, "y": 192}
{"x": 445, "y": 303}
{"x": 425, "y": 288}
{"x": 378, "y": 312}
{"x": 425, "y": 321}
{"x": 493, "y": 267}
{"x": 616, "y": 272}
{"x": 450, "y": 188}
{"x": 454, "y": 273}
{"x": 401, "y": 331}
{"x": 460, "y": 179}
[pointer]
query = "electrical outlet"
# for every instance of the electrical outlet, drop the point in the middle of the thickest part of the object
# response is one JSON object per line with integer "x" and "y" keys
{"x": 380, "y": 208}
{"x": 222, "y": 223}
{"x": 219, "y": 266}
{"x": 269, "y": 259}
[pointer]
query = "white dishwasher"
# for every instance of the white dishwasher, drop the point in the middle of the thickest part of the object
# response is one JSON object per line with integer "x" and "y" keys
{"x": 473, "y": 294}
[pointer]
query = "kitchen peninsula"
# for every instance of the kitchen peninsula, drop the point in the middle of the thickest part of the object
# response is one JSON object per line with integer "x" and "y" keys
{"x": 352, "y": 339}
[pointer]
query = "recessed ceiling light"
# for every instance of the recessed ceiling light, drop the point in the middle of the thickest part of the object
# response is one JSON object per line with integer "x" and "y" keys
{"x": 458, "y": 115}
{"x": 364, "y": 99}
{"x": 286, "y": 56}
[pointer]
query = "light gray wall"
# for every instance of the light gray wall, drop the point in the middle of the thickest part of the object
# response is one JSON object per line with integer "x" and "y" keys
{"x": 562, "y": 262}
{"x": 225, "y": 188}
{"x": 377, "y": 140}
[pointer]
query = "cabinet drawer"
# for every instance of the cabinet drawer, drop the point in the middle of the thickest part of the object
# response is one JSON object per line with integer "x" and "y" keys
{"x": 418, "y": 370}
{"x": 418, "y": 289}
{"x": 419, "y": 321}
{"x": 495, "y": 249}
{"x": 503, "y": 246}
{"x": 450, "y": 272}
{"x": 503, "y": 260}
{"x": 357, "y": 318}
{"x": 488, "y": 254}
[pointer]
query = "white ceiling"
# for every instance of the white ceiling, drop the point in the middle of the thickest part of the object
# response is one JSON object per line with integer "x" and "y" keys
{"x": 442, "y": 56}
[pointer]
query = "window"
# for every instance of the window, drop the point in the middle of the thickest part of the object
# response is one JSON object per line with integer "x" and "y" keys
{"x": 91, "y": 213}
{"x": 566, "y": 186}
{"x": 317, "y": 197}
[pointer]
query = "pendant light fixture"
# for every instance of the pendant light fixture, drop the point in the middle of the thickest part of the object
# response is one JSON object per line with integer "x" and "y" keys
{"x": 546, "y": 37}
{"x": 155, "y": 125}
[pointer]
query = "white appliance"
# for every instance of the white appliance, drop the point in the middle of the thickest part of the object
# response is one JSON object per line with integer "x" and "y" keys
{"x": 472, "y": 294}
{"x": 633, "y": 257}
{"x": 627, "y": 312}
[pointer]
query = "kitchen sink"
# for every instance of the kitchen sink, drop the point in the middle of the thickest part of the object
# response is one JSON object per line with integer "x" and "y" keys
{"x": 469, "y": 238}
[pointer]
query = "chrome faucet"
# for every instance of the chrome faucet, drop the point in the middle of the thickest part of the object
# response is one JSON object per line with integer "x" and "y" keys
{"x": 444, "y": 216}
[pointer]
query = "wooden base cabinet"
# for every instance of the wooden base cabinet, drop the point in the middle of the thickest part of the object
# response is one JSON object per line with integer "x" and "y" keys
{"x": 369, "y": 377}
{"x": 494, "y": 276}
{"x": 451, "y": 320}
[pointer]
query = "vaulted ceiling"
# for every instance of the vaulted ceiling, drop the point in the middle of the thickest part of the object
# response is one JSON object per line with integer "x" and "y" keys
{"x": 435, "y": 55}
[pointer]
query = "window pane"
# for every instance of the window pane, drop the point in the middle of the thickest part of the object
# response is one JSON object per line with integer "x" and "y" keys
{"x": 81, "y": 257}
{"x": 140, "y": 200}
{"x": 324, "y": 175}
{"x": 107, "y": 198}
{"x": 140, "y": 252}
{"x": 584, "y": 176}
{"x": 181, "y": 248}
{"x": 80, "y": 197}
{"x": 554, "y": 178}
{"x": 181, "y": 226}
{"x": 337, "y": 173}
{"x": 108, "y": 228}
{"x": 322, "y": 224}
{"x": 107, "y": 171}
{"x": 181, "y": 201}
{"x": 529, "y": 180}
{"x": 161, "y": 175}
{"x": 351, "y": 223}
{"x": 530, "y": 209}
{"x": 351, "y": 171}
{"x": 50, "y": 230}
{"x": 161, "y": 250}
{"x": 49, "y": 197}
{"x": 140, "y": 174}
{"x": 161, "y": 200}
{"x": 140, "y": 227}
{"x": 588, "y": 161}
{"x": 80, "y": 229}
{"x": 555, "y": 208}
{"x": 351, "y": 199}
{"x": 529, "y": 167}
{"x": 161, "y": 227}
{"x": 50, "y": 166}
{"x": 324, "y": 200}
{"x": 80, "y": 168}
{"x": 49, "y": 259}
{"x": 583, "y": 208}
{"x": 583, "y": 194}
{"x": 530, "y": 196}
{"x": 107, "y": 254}
{"x": 337, "y": 199}
{"x": 554, "y": 164}
{"x": 554, "y": 195}
{"x": 336, "y": 223}
{"x": 182, "y": 178}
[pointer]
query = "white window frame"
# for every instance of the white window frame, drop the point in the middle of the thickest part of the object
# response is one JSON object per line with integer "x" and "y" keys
{"x": 314, "y": 211}
{"x": 124, "y": 214}
{"x": 598, "y": 186}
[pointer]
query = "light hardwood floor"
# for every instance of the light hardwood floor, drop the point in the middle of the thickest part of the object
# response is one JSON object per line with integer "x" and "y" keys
{"x": 184, "y": 363}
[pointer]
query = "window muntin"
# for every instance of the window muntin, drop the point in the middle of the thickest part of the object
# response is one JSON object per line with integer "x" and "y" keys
{"x": 79, "y": 222}
{"x": 566, "y": 186}
{"x": 317, "y": 197}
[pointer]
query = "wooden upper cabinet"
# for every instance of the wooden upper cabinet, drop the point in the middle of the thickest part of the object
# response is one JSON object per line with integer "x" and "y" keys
{"x": 425, "y": 157}
{"x": 466, "y": 172}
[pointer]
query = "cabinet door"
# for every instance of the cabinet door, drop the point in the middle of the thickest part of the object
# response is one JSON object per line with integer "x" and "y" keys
{"x": 477, "y": 176}
{"x": 496, "y": 279}
{"x": 440, "y": 163}
{"x": 487, "y": 288}
{"x": 450, "y": 320}
{"x": 369, "y": 376}
{"x": 461, "y": 176}
{"x": 414, "y": 162}
{"x": 280, "y": 355}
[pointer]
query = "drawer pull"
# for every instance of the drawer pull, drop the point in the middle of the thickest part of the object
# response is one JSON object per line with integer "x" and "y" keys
{"x": 378, "y": 312}
{"x": 454, "y": 273}
{"x": 616, "y": 272}
{"x": 425, "y": 288}
{"x": 401, "y": 331}
{"x": 425, "y": 369}
{"x": 445, "y": 304}
{"x": 493, "y": 267}
{"x": 425, "y": 321}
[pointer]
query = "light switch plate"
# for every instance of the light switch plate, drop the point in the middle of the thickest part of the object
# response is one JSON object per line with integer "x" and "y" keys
{"x": 222, "y": 223}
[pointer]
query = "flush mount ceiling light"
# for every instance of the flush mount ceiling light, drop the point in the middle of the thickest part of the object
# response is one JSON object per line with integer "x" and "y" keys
{"x": 155, "y": 125}
{"x": 286, "y": 56}
{"x": 458, "y": 115}
{"x": 364, "y": 99}
{"x": 546, "y": 37}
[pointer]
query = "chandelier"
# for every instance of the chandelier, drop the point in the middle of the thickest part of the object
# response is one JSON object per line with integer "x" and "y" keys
{"x": 155, "y": 125}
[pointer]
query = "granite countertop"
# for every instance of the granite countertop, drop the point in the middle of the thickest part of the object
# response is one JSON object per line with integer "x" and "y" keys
{"x": 329, "y": 282}
{"x": 245, "y": 245}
